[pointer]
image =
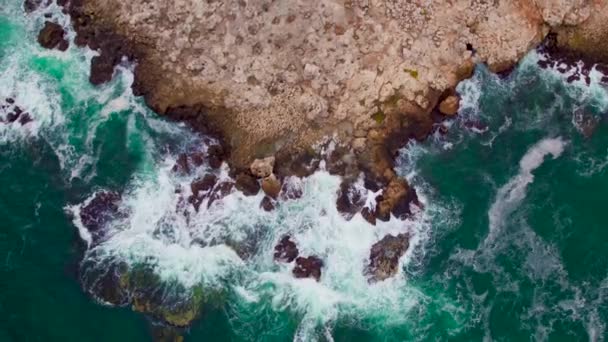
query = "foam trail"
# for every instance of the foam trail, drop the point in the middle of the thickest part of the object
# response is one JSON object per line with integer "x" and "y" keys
{"x": 511, "y": 194}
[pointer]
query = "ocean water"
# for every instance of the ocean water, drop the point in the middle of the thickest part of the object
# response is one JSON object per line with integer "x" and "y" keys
{"x": 511, "y": 244}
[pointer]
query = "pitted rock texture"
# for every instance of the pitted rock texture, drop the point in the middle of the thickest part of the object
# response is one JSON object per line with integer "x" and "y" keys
{"x": 284, "y": 74}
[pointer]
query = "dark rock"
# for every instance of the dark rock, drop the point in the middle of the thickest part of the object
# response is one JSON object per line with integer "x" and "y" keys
{"x": 220, "y": 191}
{"x": 102, "y": 69}
{"x": 384, "y": 257}
{"x": 402, "y": 209}
{"x": 25, "y": 118}
{"x": 12, "y": 117}
{"x": 182, "y": 165}
{"x": 268, "y": 204}
{"x": 31, "y": 5}
{"x": 10, "y": 101}
{"x": 101, "y": 209}
{"x": 286, "y": 250}
{"x": 309, "y": 267}
{"x": 197, "y": 158}
{"x": 216, "y": 155}
{"x": 52, "y": 36}
{"x": 203, "y": 184}
{"x": 300, "y": 165}
{"x": 107, "y": 287}
{"x": 247, "y": 184}
{"x": 350, "y": 200}
{"x": 201, "y": 189}
{"x": 369, "y": 215}
{"x": 291, "y": 191}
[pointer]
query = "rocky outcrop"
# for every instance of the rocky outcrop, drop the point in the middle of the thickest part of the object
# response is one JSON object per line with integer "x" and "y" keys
{"x": 262, "y": 168}
{"x": 13, "y": 113}
{"x": 309, "y": 267}
{"x": 450, "y": 105}
{"x": 384, "y": 257}
{"x": 286, "y": 250}
{"x": 99, "y": 210}
{"x": 271, "y": 186}
{"x": 275, "y": 77}
{"x": 52, "y": 36}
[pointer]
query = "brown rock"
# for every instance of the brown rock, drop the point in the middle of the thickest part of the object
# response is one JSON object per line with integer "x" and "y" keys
{"x": 286, "y": 250}
{"x": 369, "y": 215}
{"x": 262, "y": 167}
{"x": 384, "y": 257}
{"x": 309, "y": 267}
{"x": 271, "y": 186}
{"x": 450, "y": 105}
{"x": 52, "y": 36}
{"x": 247, "y": 184}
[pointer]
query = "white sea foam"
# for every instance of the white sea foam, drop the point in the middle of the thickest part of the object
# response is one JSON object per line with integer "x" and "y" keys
{"x": 511, "y": 194}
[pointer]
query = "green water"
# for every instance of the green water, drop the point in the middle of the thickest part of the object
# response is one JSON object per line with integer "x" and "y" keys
{"x": 495, "y": 260}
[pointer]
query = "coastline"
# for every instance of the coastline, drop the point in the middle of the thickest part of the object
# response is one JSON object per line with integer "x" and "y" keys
{"x": 375, "y": 159}
{"x": 394, "y": 108}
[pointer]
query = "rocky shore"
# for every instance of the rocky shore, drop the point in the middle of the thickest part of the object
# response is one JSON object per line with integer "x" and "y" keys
{"x": 281, "y": 79}
{"x": 290, "y": 87}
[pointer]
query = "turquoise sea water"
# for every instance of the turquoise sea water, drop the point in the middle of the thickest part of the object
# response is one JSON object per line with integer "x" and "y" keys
{"x": 511, "y": 245}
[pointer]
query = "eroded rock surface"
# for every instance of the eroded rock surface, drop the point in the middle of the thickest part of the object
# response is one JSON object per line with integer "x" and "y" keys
{"x": 384, "y": 256}
{"x": 282, "y": 75}
{"x": 52, "y": 36}
{"x": 308, "y": 267}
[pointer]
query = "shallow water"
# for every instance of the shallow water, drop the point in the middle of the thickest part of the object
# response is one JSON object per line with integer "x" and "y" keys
{"x": 510, "y": 246}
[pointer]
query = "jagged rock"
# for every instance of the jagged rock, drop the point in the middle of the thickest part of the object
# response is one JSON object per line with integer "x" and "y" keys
{"x": 384, "y": 256}
{"x": 350, "y": 200}
{"x": 262, "y": 168}
{"x": 220, "y": 191}
{"x": 216, "y": 155}
{"x": 450, "y": 105}
{"x": 369, "y": 215}
{"x": 286, "y": 250}
{"x": 393, "y": 197}
{"x": 291, "y": 190}
{"x": 31, "y": 5}
{"x": 247, "y": 184}
{"x": 268, "y": 204}
{"x": 271, "y": 186}
{"x": 101, "y": 209}
{"x": 182, "y": 165}
{"x": 203, "y": 184}
{"x": 52, "y": 36}
{"x": 309, "y": 267}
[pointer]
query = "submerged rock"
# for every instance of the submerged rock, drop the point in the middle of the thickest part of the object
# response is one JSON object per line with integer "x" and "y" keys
{"x": 101, "y": 209}
{"x": 267, "y": 203}
{"x": 384, "y": 257}
{"x": 309, "y": 267}
{"x": 286, "y": 250}
{"x": 52, "y": 36}
{"x": 31, "y": 5}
